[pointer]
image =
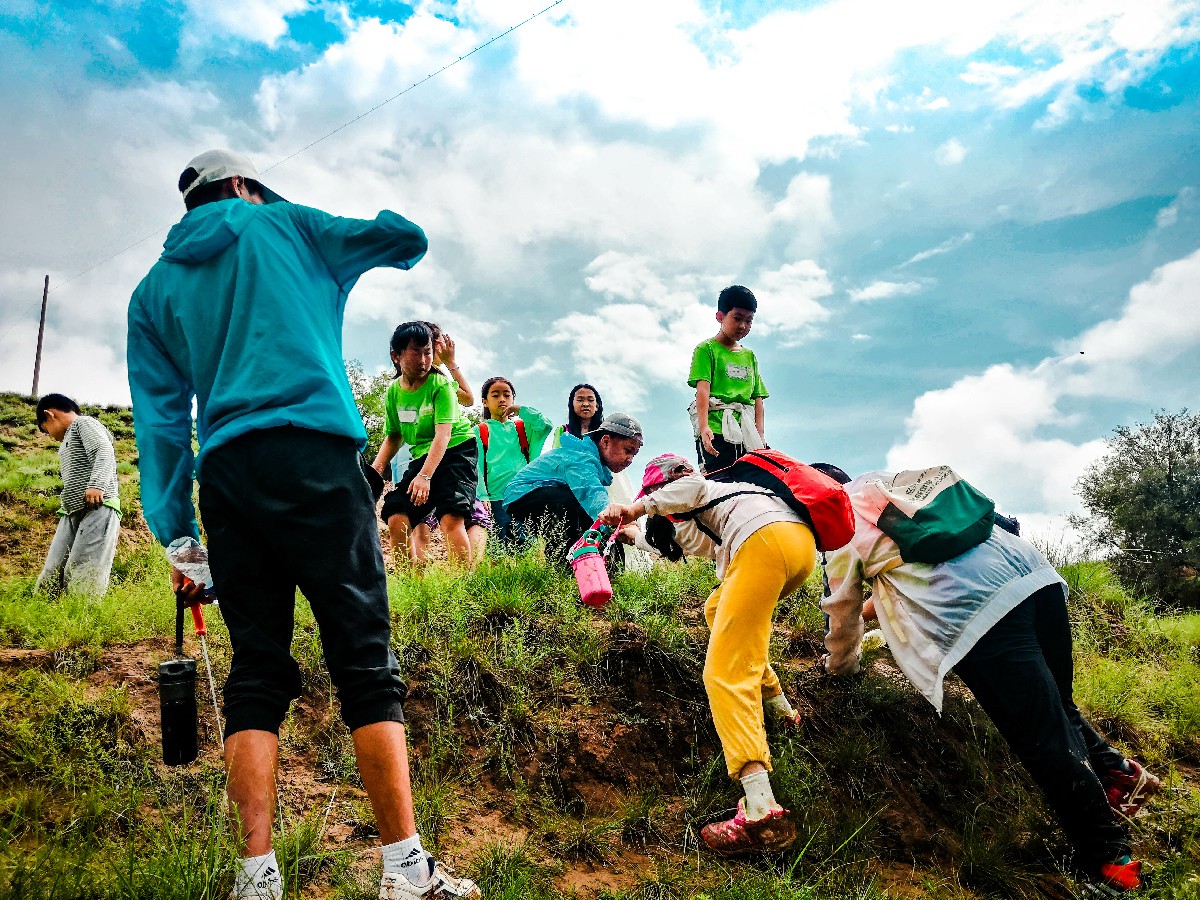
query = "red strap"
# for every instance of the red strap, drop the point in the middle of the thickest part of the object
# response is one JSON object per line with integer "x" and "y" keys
{"x": 483, "y": 439}
{"x": 522, "y": 438}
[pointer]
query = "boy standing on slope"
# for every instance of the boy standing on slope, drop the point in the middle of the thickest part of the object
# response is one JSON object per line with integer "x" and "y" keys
{"x": 727, "y": 415}
{"x": 81, "y": 554}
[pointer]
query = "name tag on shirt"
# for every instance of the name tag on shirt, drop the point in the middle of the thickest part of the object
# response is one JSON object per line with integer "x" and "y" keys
{"x": 736, "y": 372}
{"x": 407, "y": 416}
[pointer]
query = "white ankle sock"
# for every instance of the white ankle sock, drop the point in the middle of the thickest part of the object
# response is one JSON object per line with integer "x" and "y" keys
{"x": 408, "y": 858}
{"x": 779, "y": 706}
{"x": 258, "y": 878}
{"x": 760, "y": 799}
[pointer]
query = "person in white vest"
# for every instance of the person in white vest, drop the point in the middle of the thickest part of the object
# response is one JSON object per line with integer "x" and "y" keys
{"x": 996, "y": 615}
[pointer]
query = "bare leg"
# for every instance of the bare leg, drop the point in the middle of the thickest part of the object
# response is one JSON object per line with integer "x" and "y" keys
{"x": 383, "y": 764}
{"x": 750, "y": 768}
{"x": 251, "y": 758}
{"x": 400, "y": 530}
{"x": 478, "y": 537}
{"x": 422, "y": 537}
{"x": 458, "y": 545}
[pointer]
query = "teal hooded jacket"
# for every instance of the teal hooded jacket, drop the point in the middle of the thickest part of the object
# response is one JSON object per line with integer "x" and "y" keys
{"x": 243, "y": 312}
{"x": 575, "y": 463}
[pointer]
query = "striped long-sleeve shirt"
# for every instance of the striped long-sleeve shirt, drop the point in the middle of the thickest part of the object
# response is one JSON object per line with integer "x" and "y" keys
{"x": 87, "y": 459}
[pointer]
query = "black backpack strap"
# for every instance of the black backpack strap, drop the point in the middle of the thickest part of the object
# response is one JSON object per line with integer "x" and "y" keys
{"x": 691, "y": 515}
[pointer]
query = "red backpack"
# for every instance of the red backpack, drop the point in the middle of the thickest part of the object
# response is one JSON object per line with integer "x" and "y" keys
{"x": 820, "y": 501}
{"x": 522, "y": 439}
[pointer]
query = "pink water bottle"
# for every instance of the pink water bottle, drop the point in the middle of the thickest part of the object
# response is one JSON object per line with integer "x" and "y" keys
{"x": 587, "y": 559}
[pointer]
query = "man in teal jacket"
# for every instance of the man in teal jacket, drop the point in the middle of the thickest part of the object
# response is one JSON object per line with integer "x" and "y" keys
{"x": 242, "y": 313}
{"x": 563, "y": 491}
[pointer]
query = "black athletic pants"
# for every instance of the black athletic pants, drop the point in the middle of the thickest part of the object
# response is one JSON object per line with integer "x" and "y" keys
{"x": 286, "y": 508}
{"x": 553, "y": 512}
{"x": 727, "y": 454}
{"x": 1021, "y": 673}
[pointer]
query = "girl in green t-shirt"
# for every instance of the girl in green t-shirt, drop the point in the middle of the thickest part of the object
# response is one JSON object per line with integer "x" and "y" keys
{"x": 510, "y": 436}
{"x": 422, "y": 410}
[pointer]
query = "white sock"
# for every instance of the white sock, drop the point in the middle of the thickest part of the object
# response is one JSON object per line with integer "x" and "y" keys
{"x": 760, "y": 799}
{"x": 407, "y": 858}
{"x": 258, "y": 878}
{"x": 779, "y": 706}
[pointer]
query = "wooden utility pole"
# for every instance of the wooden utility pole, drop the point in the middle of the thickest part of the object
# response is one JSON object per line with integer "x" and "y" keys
{"x": 37, "y": 360}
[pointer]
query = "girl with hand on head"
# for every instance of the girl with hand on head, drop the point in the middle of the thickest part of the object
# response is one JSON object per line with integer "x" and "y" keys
{"x": 585, "y": 412}
{"x": 443, "y": 356}
{"x": 479, "y": 520}
{"x": 508, "y": 438}
{"x": 763, "y": 552}
{"x": 422, "y": 410}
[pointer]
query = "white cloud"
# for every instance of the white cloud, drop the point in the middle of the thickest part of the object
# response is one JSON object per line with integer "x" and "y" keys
{"x": 789, "y": 301}
{"x": 639, "y": 339}
{"x": 996, "y": 428}
{"x": 543, "y": 365}
{"x": 950, "y": 153}
{"x": 1169, "y": 214}
{"x": 945, "y": 246}
{"x": 211, "y": 22}
{"x": 86, "y": 369}
{"x": 884, "y": 290}
{"x": 805, "y": 212}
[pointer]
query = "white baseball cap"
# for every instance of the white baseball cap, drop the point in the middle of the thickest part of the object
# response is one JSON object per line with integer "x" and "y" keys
{"x": 217, "y": 165}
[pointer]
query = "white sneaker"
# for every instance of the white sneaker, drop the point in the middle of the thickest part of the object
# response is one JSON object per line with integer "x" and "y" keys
{"x": 253, "y": 893}
{"x": 442, "y": 885}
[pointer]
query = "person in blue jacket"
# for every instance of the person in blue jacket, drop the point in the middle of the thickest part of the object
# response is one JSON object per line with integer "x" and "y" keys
{"x": 562, "y": 492}
{"x": 242, "y": 314}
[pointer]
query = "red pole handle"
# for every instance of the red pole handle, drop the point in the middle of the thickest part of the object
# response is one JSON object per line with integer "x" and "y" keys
{"x": 198, "y": 619}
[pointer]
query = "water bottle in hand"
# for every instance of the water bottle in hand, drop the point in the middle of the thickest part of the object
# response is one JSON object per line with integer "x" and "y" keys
{"x": 190, "y": 557}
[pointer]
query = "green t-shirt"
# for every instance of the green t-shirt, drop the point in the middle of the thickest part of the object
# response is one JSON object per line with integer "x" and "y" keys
{"x": 413, "y": 414}
{"x": 732, "y": 376}
{"x": 504, "y": 458}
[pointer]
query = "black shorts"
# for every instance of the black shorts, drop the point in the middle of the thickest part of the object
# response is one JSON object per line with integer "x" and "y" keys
{"x": 451, "y": 490}
{"x": 285, "y": 508}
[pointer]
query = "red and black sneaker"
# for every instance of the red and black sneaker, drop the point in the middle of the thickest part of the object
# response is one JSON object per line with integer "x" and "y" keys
{"x": 1129, "y": 789}
{"x": 1122, "y": 877}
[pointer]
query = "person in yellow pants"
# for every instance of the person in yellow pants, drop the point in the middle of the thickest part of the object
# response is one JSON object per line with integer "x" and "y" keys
{"x": 763, "y": 552}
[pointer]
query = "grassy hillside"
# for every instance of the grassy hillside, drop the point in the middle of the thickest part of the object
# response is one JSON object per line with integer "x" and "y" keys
{"x": 557, "y": 751}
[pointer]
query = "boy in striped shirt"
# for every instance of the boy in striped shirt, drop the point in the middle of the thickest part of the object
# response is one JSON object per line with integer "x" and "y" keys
{"x": 81, "y": 554}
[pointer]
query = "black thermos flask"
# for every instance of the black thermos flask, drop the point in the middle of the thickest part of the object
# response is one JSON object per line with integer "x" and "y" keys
{"x": 177, "y": 703}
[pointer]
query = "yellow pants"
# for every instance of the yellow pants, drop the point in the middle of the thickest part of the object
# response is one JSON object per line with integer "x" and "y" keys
{"x": 773, "y": 562}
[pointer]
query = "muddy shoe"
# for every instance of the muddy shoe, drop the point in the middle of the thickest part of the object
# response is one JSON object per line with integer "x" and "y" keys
{"x": 442, "y": 885}
{"x": 739, "y": 837}
{"x": 1129, "y": 790}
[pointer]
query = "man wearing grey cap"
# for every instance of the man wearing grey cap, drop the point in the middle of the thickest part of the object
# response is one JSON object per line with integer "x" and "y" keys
{"x": 563, "y": 491}
{"x": 242, "y": 314}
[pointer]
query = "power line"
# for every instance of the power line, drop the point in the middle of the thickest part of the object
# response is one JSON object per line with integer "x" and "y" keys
{"x": 344, "y": 125}
{"x": 416, "y": 84}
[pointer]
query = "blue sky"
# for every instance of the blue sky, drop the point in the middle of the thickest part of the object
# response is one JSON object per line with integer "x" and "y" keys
{"x": 938, "y": 205}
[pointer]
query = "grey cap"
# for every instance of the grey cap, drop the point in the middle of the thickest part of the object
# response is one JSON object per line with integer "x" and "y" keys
{"x": 217, "y": 165}
{"x": 621, "y": 424}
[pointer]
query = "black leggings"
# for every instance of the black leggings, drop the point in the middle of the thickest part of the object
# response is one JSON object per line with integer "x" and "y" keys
{"x": 1021, "y": 673}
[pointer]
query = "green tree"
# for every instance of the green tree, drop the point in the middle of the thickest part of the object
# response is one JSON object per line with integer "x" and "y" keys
{"x": 1144, "y": 501}
{"x": 370, "y": 393}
